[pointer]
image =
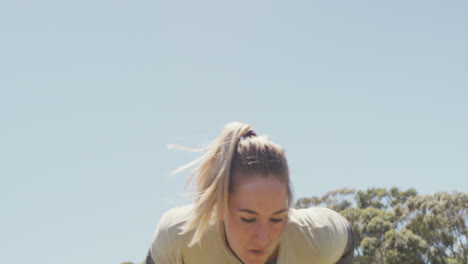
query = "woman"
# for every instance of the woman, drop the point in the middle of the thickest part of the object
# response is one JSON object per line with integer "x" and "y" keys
{"x": 242, "y": 212}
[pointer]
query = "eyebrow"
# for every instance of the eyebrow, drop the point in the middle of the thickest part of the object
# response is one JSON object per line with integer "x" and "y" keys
{"x": 255, "y": 213}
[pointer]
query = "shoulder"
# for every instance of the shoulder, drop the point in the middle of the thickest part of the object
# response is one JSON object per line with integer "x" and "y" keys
{"x": 318, "y": 233}
{"x": 175, "y": 216}
{"x": 172, "y": 222}
{"x": 170, "y": 244}
{"x": 168, "y": 238}
{"x": 318, "y": 217}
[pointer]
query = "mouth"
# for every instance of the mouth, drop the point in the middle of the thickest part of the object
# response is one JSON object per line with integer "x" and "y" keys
{"x": 257, "y": 252}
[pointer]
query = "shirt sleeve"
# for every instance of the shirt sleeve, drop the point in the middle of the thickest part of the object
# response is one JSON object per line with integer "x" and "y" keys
{"x": 332, "y": 234}
{"x": 348, "y": 253}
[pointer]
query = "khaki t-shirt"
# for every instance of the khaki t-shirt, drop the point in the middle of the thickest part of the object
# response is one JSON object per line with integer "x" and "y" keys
{"x": 313, "y": 236}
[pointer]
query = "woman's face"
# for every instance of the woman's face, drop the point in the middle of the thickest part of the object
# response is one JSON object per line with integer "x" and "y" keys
{"x": 256, "y": 217}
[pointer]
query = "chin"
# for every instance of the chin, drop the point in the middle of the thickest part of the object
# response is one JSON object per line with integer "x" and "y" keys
{"x": 254, "y": 260}
{"x": 257, "y": 261}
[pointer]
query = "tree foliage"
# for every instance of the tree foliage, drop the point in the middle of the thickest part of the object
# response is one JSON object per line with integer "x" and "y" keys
{"x": 394, "y": 226}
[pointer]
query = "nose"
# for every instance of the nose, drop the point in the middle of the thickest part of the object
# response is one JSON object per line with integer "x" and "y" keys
{"x": 262, "y": 234}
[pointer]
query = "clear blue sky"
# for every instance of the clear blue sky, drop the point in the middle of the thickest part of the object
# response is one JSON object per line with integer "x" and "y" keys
{"x": 360, "y": 94}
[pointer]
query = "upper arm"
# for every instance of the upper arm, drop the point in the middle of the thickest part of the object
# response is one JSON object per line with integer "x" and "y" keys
{"x": 348, "y": 253}
{"x": 333, "y": 234}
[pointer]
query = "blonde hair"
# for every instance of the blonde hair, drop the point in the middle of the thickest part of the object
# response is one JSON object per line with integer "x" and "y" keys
{"x": 238, "y": 149}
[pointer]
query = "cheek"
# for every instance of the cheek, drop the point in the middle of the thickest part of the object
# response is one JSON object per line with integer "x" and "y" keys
{"x": 278, "y": 230}
{"x": 236, "y": 231}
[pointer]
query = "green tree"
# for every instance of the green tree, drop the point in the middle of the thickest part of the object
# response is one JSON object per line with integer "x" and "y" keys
{"x": 394, "y": 226}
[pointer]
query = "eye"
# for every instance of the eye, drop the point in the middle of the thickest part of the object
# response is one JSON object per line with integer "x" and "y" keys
{"x": 276, "y": 220}
{"x": 248, "y": 220}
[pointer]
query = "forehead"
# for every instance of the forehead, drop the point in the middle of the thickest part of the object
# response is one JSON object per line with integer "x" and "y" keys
{"x": 259, "y": 193}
